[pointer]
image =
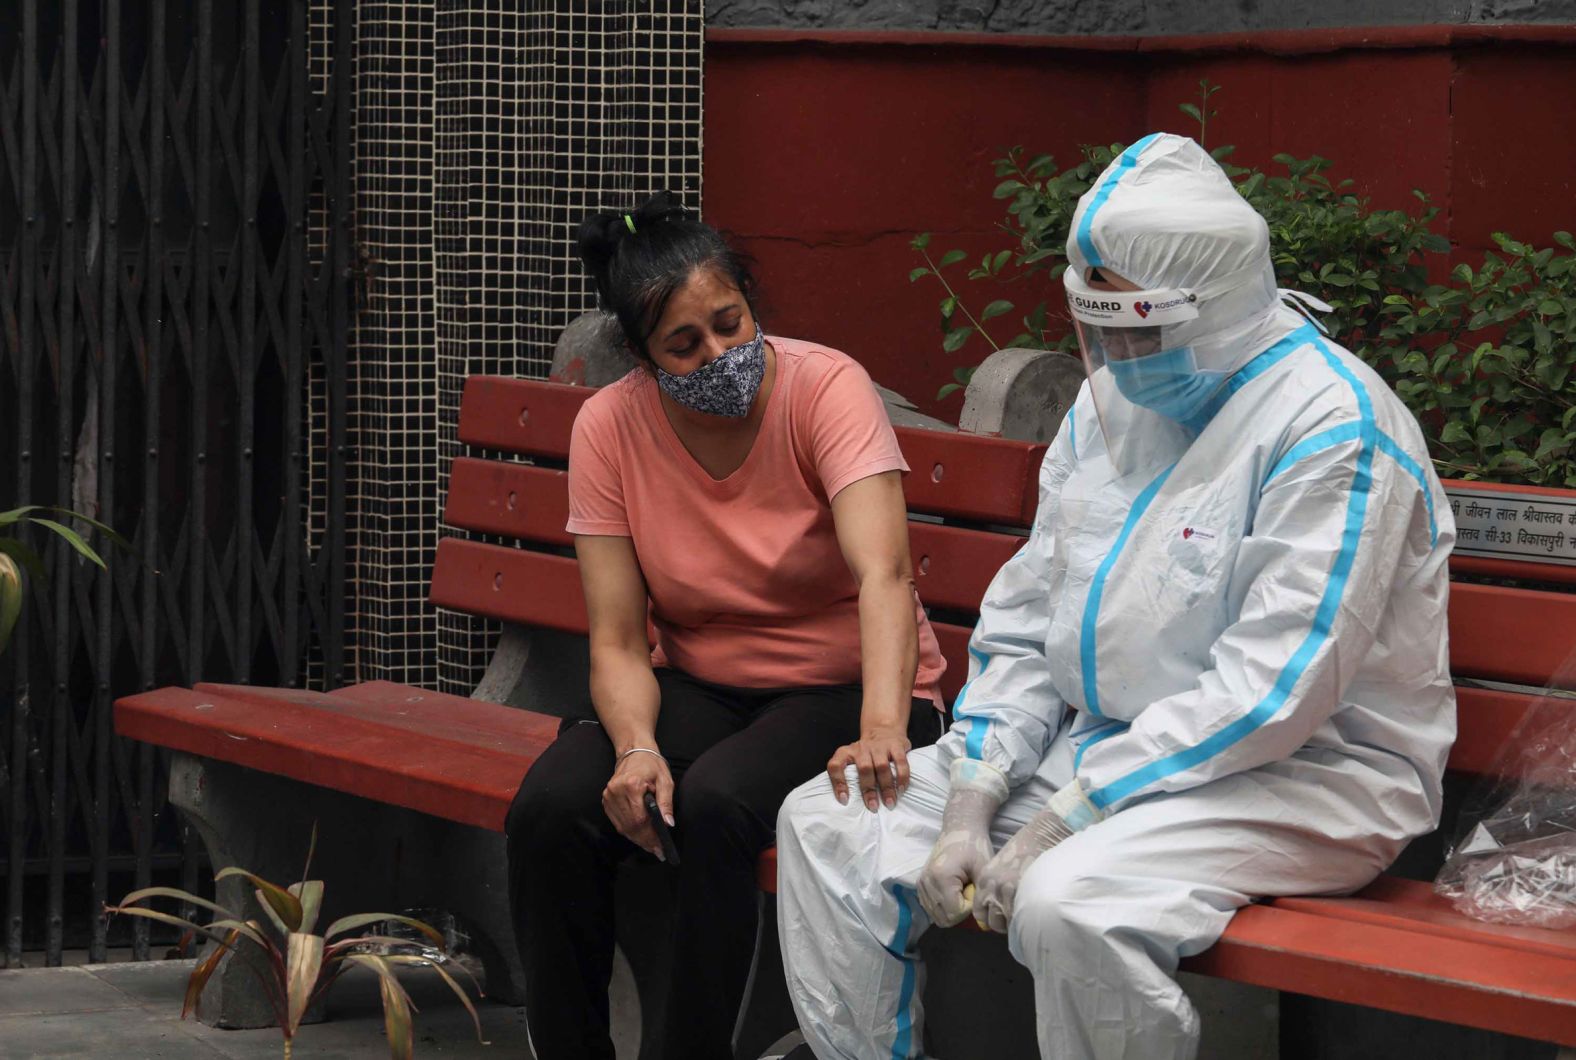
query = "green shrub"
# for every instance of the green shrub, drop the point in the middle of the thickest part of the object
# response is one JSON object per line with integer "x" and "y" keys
{"x": 1487, "y": 364}
{"x": 1504, "y": 412}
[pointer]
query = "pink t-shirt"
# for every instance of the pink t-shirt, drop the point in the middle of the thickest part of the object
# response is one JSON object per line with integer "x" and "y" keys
{"x": 748, "y": 586}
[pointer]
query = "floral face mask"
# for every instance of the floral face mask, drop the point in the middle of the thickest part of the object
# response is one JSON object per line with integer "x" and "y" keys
{"x": 726, "y": 386}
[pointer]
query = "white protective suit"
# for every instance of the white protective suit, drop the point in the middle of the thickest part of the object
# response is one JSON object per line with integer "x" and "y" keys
{"x": 1238, "y": 651}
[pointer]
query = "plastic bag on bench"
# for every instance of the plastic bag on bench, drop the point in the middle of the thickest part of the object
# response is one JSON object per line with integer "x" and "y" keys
{"x": 1514, "y": 858}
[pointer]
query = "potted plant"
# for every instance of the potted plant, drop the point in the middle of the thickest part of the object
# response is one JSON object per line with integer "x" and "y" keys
{"x": 294, "y": 962}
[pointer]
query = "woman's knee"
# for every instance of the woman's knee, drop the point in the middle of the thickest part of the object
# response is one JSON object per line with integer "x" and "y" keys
{"x": 708, "y": 799}
{"x": 561, "y": 794}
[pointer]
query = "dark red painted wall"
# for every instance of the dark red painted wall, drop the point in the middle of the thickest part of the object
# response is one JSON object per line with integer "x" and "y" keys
{"x": 824, "y": 156}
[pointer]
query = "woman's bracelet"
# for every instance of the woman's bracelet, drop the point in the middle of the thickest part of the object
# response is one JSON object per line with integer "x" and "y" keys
{"x": 638, "y": 750}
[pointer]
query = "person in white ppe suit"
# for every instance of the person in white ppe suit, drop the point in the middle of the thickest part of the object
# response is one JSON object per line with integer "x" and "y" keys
{"x": 1217, "y": 671}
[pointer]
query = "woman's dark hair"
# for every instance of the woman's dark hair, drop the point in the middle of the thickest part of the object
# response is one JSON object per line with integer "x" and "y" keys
{"x": 640, "y": 258}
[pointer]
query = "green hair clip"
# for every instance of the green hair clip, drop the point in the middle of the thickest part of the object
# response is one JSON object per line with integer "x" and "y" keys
{"x": 630, "y": 222}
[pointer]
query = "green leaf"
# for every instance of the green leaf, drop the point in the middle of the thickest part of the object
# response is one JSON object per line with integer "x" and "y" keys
{"x": 303, "y": 962}
{"x": 1008, "y": 188}
{"x": 72, "y": 538}
{"x": 15, "y": 514}
{"x": 10, "y": 597}
{"x": 310, "y": 892}
{"x": 955, "y": 339}
{"x": 30, "y": 561}
{"x": 1551, "y": 307}
{"x": 996, "y": 309}
{"x": 949, "y": 305}
{"x": 999, "y": 260}
{"x": 964, "y": 373}
{"x": 915, "y": 274}
{"x": 210, "y": 930}
{"x": 1454, "y": 432}
{"x": 1191, "y": 110}
{"x": 204, "y": 971}
{"x": 396, "y": 1005}
{"x": 185, "y": 897}
{"x": 921, "y": 241}
{"x": 947, "y": 390}
{"x": 459, "y": 991}
{"x": 107, "y": 531}
{"x": 951, "y": 257}
{"x": 361, "y": 920}
{"x": 274, "y": 898}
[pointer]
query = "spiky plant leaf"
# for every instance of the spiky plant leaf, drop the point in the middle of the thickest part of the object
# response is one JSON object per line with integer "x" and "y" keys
{"x": 303, "y": 961}
{"x": 459, "y": 991}
{"x": 179, "y": 895}
{"x": 310, "y": 895}
{"x": 204, "y": 971}
{"x": 397, "y": 1005}
{"x": 285, "y": 906}
{"x": 360, "y": 920}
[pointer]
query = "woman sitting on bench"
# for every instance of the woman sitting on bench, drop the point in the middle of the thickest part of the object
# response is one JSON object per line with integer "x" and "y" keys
{"x": 1217, "y": 671}
{"x": 748, "y": 486}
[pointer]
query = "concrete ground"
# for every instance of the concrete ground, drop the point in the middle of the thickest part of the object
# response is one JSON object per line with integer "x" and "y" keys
{"x": 131, "y": 1011}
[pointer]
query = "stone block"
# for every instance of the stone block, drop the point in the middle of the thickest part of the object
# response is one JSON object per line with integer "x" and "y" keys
{"x": 1021, "y": 394}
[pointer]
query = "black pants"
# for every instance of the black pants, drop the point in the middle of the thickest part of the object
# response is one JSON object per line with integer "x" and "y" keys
{"x": 735, "y": 754}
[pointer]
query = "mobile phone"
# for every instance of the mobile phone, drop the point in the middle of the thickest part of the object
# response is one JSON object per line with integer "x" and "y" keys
{"x": 670, "y": 850}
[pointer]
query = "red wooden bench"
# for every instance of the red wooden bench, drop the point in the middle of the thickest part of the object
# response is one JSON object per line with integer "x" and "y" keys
{"x": 459, "y": 760}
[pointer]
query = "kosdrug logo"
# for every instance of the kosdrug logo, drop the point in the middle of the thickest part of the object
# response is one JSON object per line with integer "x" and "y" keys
{"x": 1142, "y": 309}
{"x": 1190, "y": 532}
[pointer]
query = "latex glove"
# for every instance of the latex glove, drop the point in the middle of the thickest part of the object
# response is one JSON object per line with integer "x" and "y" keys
{"x": 997, "y": 886}
{"x": 963, "y": 847}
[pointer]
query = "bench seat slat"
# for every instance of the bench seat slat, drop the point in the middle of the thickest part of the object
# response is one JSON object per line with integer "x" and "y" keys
{"x": 432, "y": 715}
{"x": 1478, "y": 984}
{"x": 1412, "y": 905}
{"x": 338, "y": 749}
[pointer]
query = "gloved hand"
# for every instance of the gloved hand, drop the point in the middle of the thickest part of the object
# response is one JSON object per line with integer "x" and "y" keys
{"x": 963, "y": 848}
{"x": 996, "y": 888}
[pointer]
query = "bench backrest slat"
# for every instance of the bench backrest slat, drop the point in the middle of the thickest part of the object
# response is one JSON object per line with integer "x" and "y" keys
{"x": 989, "y": 480}
{"x": 952, "y": 565}
{"x": 520, "y": 415}
{"x": 511, "y": 500}
{"x": 1520, "y": 636}
{"x": 509, "y": 584}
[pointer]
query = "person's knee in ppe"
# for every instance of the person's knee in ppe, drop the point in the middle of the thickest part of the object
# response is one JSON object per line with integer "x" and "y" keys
{"x": 1215, "y": 672}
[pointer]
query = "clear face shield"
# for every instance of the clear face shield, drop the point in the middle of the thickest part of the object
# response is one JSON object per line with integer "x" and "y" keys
{"x": 1145, "y": 382}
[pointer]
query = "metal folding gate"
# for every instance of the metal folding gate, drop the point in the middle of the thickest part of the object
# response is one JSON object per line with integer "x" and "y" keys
{"x": 245, "y": 245}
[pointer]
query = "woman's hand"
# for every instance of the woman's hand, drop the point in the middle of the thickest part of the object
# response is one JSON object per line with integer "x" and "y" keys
{"x": 623, "y": 800}
{"x": 881, "y": 756}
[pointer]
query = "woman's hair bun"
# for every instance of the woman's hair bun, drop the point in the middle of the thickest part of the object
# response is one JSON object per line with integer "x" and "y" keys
{"x": 663, "y": 206}
{"x": 601, "y": 234}
{"x": 639, "y": 258}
